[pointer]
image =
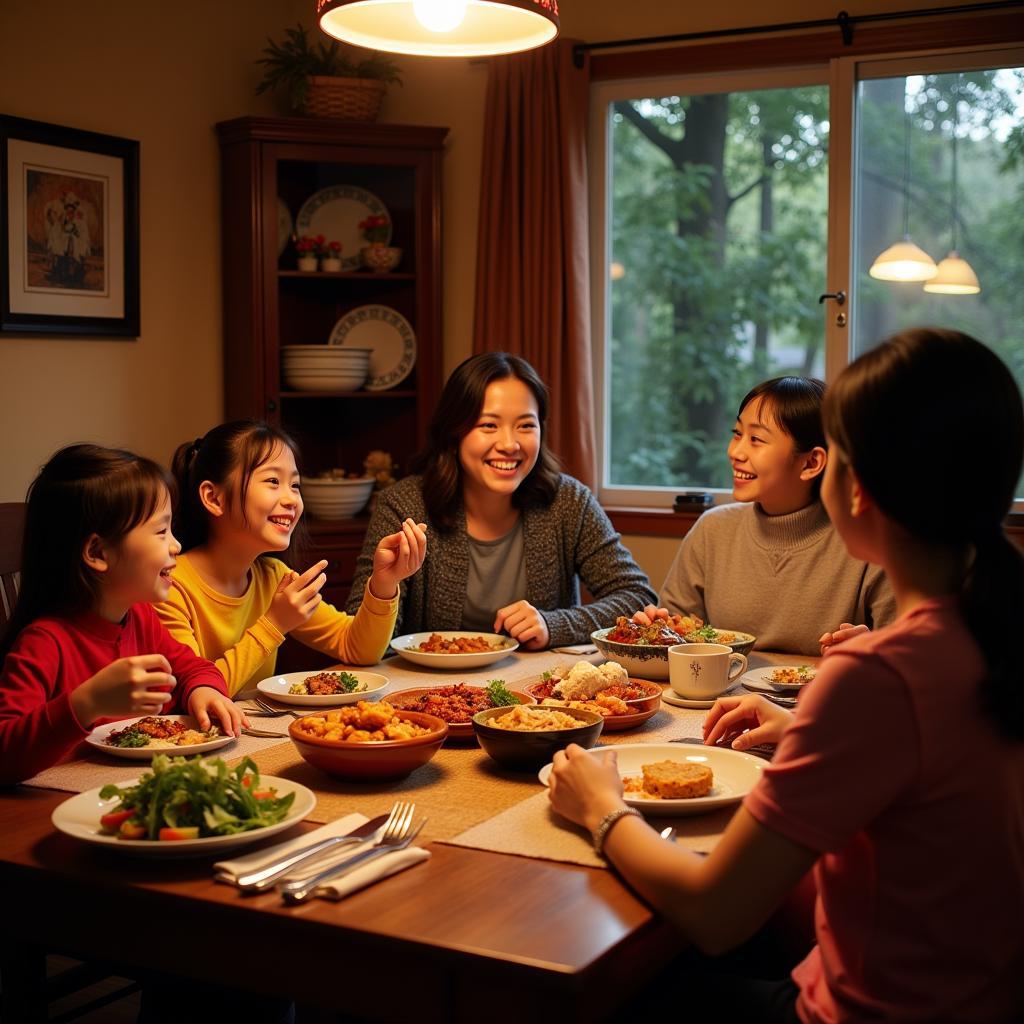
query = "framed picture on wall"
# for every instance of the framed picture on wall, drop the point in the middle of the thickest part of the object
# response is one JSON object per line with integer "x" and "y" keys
{"x": 69, "y": 230}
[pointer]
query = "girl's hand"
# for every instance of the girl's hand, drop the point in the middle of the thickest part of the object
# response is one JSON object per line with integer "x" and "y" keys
{"x": 649, "y": 614}
{"x": 730, "y": 716}
{"x": 584, "y": 787}
{"x": 846, "y": 631}
{"x": 397, "y": 557}
{"x": 297, "y": 597}
{"x": 140, "y": 685}
{"x": 524, "y": 623}
{"x": 205, "y": 701}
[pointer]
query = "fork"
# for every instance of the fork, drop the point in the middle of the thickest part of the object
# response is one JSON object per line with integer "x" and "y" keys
{"x": 397, "y": 835}
{"x": 273, "y": 712}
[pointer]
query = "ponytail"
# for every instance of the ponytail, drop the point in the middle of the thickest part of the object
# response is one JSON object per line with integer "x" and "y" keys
{"x": 992, "y": 600}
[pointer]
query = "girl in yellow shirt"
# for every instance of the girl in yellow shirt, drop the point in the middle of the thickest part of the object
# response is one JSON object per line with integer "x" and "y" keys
{"x": 238, "y": 499}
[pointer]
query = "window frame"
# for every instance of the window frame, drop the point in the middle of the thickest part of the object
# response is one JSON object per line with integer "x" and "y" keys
{"x": 842, "y": 73}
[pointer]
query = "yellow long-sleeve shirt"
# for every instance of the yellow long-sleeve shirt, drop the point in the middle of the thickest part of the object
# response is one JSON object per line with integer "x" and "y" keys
{"x": 236, "y": 635}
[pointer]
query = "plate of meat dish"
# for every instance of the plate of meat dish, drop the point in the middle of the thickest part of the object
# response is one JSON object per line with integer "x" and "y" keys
{"x": 140, "y": 739}
{"x": 778, "y": 678}
{"x": 458, "y": 703}
{"x": 329, "y": 689}
{"x": 454, "y": 650}
{"x": 660, "y": 779}
{"x": 607, "y": 689}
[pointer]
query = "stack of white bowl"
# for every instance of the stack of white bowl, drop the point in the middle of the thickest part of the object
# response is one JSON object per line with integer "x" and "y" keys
{"x": 324, "y": 367}
{"x": 335, "y": 499}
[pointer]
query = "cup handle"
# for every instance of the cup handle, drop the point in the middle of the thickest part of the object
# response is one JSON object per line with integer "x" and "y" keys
{"x": 741, "y": 665}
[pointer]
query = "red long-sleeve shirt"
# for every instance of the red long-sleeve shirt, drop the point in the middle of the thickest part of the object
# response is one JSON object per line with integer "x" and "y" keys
{"x": 53, "y": 656}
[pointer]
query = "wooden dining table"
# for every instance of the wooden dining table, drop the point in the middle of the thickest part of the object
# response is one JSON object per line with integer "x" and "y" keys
{"x": 470, "y": 933}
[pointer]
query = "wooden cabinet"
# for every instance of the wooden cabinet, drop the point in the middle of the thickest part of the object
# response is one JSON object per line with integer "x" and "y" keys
{"x": 268, "y": 303}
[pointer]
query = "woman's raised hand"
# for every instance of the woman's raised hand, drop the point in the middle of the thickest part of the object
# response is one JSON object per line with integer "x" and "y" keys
{"x": 524, "y": 623}
{"x": 846, "y": 631}
{"x": 649, "y": 614}
{"x": 749, "y": 720}
{"x": 397, "y": 557}
{"x": 297, "y": 597}
{"x": 140, "y": 685}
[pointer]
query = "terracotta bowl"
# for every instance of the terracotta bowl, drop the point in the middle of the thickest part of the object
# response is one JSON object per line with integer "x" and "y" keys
{"x": 456, "y": 730}
{"x": 641, "y": 708}
{"x": 528, "y": 751}
{"x": 387, "y": 759}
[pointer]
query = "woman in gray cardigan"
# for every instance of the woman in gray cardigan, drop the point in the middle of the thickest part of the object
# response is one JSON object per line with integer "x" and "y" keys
{"x": 510, "y": 538}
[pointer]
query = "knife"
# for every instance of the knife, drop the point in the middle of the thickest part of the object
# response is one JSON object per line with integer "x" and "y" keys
{"x": 265, "y": 877}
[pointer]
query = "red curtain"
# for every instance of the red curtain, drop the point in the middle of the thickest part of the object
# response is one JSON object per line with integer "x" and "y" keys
{"x": 532, "y": 283}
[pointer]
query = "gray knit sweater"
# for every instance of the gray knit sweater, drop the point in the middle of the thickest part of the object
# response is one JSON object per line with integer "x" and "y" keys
{"x": 569, "y": 542}
{"x": 786, "y": 579}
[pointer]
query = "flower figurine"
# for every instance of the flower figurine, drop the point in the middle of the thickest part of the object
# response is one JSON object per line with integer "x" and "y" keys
{"x": 330, "y": 257}
{"x": 378, "y": 256}
{"x": 308, "y": 248}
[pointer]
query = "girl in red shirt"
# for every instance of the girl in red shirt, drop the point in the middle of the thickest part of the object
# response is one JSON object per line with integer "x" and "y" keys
{"x": 900, "y": 777}
{"x": 83, "y": 644}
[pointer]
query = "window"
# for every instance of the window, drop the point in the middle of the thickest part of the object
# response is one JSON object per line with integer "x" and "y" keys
{"x": 715, "y": 238}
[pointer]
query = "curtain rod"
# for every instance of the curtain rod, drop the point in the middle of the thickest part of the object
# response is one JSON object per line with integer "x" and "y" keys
{"x": 844, "y": 21}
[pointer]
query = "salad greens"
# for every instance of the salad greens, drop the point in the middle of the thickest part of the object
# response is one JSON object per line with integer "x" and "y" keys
{"x": 707, "y": 633}
{"x": 499, "y": 694}
{"x": 129, "y": 738}
{"x": 347, "y": 682}
{"x": 191, "y": 792}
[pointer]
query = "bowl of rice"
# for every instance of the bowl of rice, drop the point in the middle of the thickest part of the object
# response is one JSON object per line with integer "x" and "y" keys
{"x": 525, "y": 736}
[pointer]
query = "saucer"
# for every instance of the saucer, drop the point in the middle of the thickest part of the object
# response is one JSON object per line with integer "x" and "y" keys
{"x": 669, "y": 696}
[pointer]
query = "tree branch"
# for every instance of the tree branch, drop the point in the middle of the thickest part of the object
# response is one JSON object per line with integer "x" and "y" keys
{"x": 669, "y": 146}
{"x": 749, "y": 188}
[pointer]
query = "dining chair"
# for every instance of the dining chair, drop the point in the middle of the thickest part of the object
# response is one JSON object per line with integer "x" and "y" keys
{"x": 12, "y": 528}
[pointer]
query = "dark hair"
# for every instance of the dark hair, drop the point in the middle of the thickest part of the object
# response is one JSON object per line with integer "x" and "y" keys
{"x": 795, "y": 405}
{"x": 242, "y": 445}
{"x": 83, "y": 489}
{"x": 954, "y": 411}
{"x": 454, "y": 417}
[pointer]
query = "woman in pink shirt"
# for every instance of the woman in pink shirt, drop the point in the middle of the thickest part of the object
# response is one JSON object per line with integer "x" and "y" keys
{"x": 900, "y": 778}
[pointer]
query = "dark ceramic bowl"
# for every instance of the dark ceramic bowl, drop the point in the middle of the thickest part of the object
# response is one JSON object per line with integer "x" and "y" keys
{"x": 528, "y": 751}
{"x": 386, "y": 759}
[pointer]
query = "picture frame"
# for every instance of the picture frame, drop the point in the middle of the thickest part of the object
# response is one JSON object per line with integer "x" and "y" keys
{"x": 69, "y": 231}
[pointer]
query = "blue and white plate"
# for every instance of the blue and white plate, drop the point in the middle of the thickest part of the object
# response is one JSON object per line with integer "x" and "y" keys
{"x": 335, "y": 213}
{"x": 389, "y": 337}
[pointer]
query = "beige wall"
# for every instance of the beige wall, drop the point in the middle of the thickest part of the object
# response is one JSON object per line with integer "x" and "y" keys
{"x": 165, "y": 80}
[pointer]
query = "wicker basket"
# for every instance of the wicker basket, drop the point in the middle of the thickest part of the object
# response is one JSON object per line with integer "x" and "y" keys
{"x": 352, "y": 99}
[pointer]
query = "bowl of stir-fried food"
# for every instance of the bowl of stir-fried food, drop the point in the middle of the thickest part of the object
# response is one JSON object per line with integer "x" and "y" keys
{"x": 642, "y": 650}
{"x": 607, "y": 689}
{"x": 457, "y": 704}
{"x": 368, "y": 740}
{"x": 454, "y": 650}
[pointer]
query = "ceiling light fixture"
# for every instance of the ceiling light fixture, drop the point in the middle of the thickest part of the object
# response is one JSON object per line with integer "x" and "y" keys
{"x": 441, "y": 28}
{"x": 904, "y": 261}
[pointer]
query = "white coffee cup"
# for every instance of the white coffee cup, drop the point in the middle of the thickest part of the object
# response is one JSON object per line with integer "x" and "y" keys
{"x": 703, "y": 671}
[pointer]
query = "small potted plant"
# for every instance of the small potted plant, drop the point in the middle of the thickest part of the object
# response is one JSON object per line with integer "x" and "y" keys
{"x": 330, "y": 257}
{"x": 327, "y": 79}
{"x": 378, "y": 256}
{"x": 308, "y": 247}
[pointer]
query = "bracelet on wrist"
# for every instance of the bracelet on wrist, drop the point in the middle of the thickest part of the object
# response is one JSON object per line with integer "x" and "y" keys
{"x": 608, "y": 822}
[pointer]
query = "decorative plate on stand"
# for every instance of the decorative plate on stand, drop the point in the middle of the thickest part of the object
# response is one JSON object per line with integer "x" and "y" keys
{"x": 389, "y": 337}
{"x": 335, "y": 213}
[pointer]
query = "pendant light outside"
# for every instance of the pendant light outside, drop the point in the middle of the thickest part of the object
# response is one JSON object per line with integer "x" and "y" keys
{"x": 904, "y": 261}
{"x": 955, "y": 277}
{"x": 486, "y": 29}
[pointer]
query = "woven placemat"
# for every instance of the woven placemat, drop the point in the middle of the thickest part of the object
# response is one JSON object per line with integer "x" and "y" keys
{"x": 457, "y": 789}
{"x": 532, "y": 829}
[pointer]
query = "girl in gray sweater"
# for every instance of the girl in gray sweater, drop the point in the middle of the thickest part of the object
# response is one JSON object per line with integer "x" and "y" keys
{"x": 512, "y": 538}
{"x": 773, "y": 564}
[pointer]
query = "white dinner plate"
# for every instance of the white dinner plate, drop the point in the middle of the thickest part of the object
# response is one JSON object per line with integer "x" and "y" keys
{"x": 97, "y": 738}
{"x": 405, "y": 646}
{"x": 276, "y": 687}
{"x": 335, "y": 213}
{"x": 79, "y": 816}
{"x": 389, "y": 337}
{"x": 284, "y": 225}
{"x": 735, "y": 774}
{"x": 759, "y": 680}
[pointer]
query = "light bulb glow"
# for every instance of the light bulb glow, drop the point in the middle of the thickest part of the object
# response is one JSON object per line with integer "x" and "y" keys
{"x": 439, "y": 15}
{"x": 903, "y": 261}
